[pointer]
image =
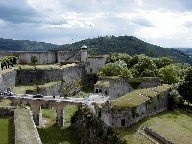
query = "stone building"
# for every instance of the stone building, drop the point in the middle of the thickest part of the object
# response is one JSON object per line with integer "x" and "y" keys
{"x": 116, "y": 87}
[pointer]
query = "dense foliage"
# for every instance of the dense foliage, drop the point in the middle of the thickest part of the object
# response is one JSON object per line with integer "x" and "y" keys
{"x": 127, "y": 44}
{"x": 185, "y": 87}
{"x": 124, "y": 65}
{"x": 24, "y": 45}
{"x": 7, "y": 61}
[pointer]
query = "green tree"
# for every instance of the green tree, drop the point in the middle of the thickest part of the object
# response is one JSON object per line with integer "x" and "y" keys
{"x": 34, "y": 59}
{"x": 162, "y": 62}
{"x": 169, "y": 74}
{"x": 185, "y": 87}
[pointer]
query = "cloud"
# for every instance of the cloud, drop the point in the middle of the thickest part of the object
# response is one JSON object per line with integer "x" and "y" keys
{"x": 142, "y": 22}
{"x": 66, "y": 21}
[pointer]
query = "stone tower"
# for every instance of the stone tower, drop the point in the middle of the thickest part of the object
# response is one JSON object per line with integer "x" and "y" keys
{"x": 83, "y": 53}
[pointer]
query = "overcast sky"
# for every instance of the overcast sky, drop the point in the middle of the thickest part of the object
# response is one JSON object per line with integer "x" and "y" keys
{"x": 167, "y": 23}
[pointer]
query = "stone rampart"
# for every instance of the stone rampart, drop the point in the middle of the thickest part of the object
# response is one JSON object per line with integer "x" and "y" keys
{"x": 51, "y": 90}
{"x": 7, "y": 79}
{"x": 95, "y": 64}
{"x": 127, "y": 116}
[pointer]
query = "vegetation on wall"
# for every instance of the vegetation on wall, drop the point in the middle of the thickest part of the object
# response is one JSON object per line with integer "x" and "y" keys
{"x": 8, "y": 61}
{"x": 93, "y": 130}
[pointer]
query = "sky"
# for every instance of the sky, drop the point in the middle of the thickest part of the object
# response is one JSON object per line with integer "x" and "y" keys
{"x": 167, "y": 23}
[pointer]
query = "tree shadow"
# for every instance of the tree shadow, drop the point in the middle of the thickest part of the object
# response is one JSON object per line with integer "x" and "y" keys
{"x": 56, "y": 135}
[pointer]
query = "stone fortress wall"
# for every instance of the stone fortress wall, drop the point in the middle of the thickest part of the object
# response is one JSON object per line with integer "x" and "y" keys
{"x": 8, "y": 79}
{"x": 127, "y": 116}
{"x": 121, "y": 86}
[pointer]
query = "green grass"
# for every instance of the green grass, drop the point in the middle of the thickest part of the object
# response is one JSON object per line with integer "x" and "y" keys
{"x": 103, "y": 83}
{"x": 24, "y": 126}
{"x": 5, "y": 102}
{"x": 46, "y": 85}
{"x": 174, "y": 125}
{"x": 52, "y": 134}
{"x": 135, "y": 98}
{"x": 45, "y": 67}
{"x": 6, "y": 130}
{"x": 19, "y": 89}
{"x": 22, "y": 88}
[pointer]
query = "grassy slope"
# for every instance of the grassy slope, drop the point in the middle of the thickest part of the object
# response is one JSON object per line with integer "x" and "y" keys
{"x": 6, "y": 130}
{"x": 174, "y": 125}
{"x": 54, "y": 134}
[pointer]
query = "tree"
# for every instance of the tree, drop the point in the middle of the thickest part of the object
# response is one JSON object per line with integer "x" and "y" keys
{"x": 169, "y": 74}
{"x": 185, "y": 87}
{"x": 34, "y": 59}
{"x": 162, "y": 62}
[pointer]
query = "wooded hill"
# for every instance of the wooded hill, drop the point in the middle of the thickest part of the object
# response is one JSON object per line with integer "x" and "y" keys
{"x": 127, "y": 44}
{"x": 24, "y": 45}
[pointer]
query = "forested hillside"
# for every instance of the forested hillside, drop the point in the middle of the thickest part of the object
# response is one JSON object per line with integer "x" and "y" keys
{"x": 127, "y": 44}
{"x": 25, "y": 45}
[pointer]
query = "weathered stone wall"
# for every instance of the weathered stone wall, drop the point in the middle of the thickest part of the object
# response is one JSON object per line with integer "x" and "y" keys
{"x": 74, "y": 77}
{"x": 51, "y": 90}
{"x": 118, "y": 86}
{"x": 40, "y": 76}
{"x": 149, "y": 82}
{"x": 126, "y": 116}
{"x": 63, "y": 56}
{"x": 7, "y": 79}
{"x": 95, "y": 64}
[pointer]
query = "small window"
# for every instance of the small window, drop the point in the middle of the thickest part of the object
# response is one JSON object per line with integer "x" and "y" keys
{"x": 96, "y": 91}
{"x": 106, "y": 93}
{"x": 123, "y": 122}
{"x": 100, "y": 90}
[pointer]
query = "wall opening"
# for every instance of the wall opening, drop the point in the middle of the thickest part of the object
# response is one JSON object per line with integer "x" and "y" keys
{"x": 106, "y": 93}
{"x": 100, "y": 90}
{"x": 123, "y": 122}
{"x": 96, "y": 91}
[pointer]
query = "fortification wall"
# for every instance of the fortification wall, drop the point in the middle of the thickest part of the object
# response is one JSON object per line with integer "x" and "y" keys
{"x": 63, "y": 56}
{"x": 95, "y": 64}
{"x": 7, "y": 79}
{"x": 127, "y": 116}
{"x": 118, "y": 87}
{"x": 150, "y": 82}
{"x": 51, "y": 90}
{"x": 39, "y": 76}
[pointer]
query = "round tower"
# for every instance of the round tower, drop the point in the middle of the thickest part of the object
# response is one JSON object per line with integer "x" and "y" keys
{"x": 83, "y": 53}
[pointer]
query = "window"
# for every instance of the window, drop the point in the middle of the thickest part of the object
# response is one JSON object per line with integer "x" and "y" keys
{"x": 100, "y": 90}
{"x": 106, "y": 93}
{"x": 123, "y": 122}
{"x": 96, "y": 91}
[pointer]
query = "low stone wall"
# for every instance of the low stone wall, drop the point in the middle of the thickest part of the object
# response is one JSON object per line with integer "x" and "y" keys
{"x": 157, "y": 135}
{"x": 51, "y": 90}
{"x": 91, "y": 129}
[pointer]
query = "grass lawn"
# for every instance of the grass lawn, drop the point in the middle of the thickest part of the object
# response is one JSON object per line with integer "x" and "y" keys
{"x": 6, "y": 130}
{"x": 175, "y": 125}
{"x": 52, "y": 134}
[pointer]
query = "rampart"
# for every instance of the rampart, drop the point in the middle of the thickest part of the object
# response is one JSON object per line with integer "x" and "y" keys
{"x": 125, "y": 116}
